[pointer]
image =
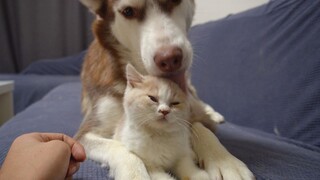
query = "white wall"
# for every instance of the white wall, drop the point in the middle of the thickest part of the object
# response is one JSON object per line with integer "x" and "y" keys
{"x": 207, "y": 10}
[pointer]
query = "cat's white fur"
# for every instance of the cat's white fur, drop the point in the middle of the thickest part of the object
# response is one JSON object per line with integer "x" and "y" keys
{"x": 162, "y": 141}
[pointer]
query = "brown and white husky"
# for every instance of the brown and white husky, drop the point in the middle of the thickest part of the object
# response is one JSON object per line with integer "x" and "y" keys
{"x": 152, "y": 36}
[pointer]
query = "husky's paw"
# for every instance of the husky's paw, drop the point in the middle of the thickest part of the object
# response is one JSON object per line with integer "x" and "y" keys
{"x": 104, "y": 165}
{"x": 214, "y": 157}
{"x": 214, "y": 115}
{"x": 200, "y": 175}
{"x": 228, "y": 168}
{"x": 161, "y": 176}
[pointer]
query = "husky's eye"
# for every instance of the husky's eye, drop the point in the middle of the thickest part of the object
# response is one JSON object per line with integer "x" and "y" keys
{"x": 176, "y": 1}
{"x": 174, "y": 103}
{"x": 154, "y": 99}
{"x": 128, "y": 12}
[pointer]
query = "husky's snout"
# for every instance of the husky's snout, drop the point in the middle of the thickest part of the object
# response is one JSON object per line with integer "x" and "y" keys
{"x": 165, "y": 49}
{"x": 168, "y": 58}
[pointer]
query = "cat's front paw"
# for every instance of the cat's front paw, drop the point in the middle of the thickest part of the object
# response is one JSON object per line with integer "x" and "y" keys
{"x": 132, "y": 168}
{"x": 228, "y": 168}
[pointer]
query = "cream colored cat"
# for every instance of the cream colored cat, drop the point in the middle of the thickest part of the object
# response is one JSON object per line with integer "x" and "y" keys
{"x": 157, "y": 128}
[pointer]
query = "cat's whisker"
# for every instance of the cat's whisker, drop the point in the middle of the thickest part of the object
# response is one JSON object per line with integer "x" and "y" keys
{"x": 182, "y": 120}
{"x": 188, "y": 124}
{"x": 195, "y": 133}
{"x": 142, "y": 122}
{"x": 143, "y": 118}
{"x": 183, "y": 123}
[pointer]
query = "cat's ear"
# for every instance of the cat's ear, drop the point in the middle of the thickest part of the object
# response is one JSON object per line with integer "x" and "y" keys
{"x": 133, "y": 76}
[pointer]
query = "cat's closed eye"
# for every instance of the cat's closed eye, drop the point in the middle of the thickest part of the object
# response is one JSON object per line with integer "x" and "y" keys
{"x": 152, "y": 98}
{"x": 174, "y": 103}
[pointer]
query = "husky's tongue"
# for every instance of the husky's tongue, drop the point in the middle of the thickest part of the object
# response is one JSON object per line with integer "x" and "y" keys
{"x": 180, "y": 79}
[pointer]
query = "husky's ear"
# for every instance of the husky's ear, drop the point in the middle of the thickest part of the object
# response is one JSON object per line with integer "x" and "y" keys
{"x": 133, "y": 76}
{"x": 191, "y": 14}
{"x": 93, "y": 5}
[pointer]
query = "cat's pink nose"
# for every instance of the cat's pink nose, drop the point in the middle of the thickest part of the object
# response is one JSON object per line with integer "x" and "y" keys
{"x": 168, "y": 59}
{"x": 164, "y": 112}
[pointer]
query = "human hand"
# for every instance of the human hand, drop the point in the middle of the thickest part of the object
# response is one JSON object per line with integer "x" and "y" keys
{"x": 42, "y": 156}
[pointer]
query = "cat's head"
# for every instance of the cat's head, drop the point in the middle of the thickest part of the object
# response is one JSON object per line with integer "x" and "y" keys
{"x": 155, "y": 102}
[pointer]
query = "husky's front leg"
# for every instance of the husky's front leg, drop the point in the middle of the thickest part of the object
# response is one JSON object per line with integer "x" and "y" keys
{"x": 215, "y": 158}
{"x": 123, "y": 164}
{"x": 204, "y": 108}
{"x": 214, "y": 115}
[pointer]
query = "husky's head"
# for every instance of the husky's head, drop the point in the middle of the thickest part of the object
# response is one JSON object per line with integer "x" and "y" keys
{"x": 153, "y": 33}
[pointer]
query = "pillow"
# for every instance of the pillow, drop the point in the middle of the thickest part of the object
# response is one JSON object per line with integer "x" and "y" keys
{"x": 70, "y": 65}
{"x": 261, "y": 68}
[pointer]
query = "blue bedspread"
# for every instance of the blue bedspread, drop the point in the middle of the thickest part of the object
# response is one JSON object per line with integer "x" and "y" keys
{"x": 32, "y": 87}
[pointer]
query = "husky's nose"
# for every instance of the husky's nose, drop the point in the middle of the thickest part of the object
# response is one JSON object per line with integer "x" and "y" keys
{"x": 168, "y": 59}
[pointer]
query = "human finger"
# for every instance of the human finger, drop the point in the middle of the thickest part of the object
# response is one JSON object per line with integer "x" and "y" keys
{"x": 73, "y": 168}
{"x": 77, "y": 150}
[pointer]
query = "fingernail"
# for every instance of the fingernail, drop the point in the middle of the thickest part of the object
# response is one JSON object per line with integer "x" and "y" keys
{"x": 74, "y": 169}
{"x": 78, "y": 152}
